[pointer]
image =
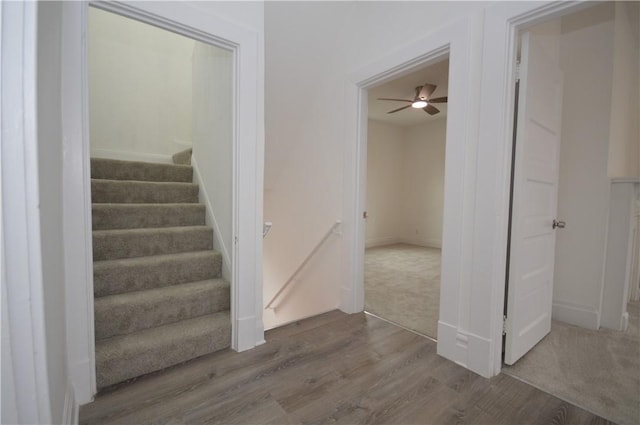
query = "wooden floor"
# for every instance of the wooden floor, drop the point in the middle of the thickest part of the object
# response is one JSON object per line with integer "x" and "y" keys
{"x": 334, "y": 368}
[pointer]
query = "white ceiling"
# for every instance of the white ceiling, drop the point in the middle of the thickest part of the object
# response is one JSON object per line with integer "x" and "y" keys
{"x": 404, "y": 88}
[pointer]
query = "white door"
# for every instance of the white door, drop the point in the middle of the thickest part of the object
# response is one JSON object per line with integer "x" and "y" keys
{"x": 535, "y": 193}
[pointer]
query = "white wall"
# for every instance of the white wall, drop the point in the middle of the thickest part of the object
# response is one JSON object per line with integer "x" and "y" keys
{"x": 140, "y": 88}
{"x": 583, "y": 195}
{"x": 313, "y": 48}
{"x": 624, "y": 135}
{"x": 423, "y": 189}
{"x": 405, "y": 183}
{"x": 385, "y": 183}
{"x": 213, "y": 139}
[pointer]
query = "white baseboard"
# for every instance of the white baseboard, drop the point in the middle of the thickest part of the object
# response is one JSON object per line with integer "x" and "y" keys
{"x": 574, "y": 314}
{"x": 371, "y": 243}
{"x": 218, "y": 243}
{"x": 131, "y": 156}
{"x": 427, "y": 243}
{"x": 245, "y": 331}
{"x": 71, "y": 410}
{"x": 625, "y": 321}
{"x": 465, "y": 348}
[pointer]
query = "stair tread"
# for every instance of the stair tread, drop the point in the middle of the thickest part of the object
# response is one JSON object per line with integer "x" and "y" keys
{"x": 153, "y": 230}
{"x": 160, "y": 293}
{"x": 127, "y": 356}
{"x": 141, "y": 273}
{"x": 132, "y": 311}
{"x": 139, "y": 170}
{"x": 133, "y": 191}
{"x": 110, "y": 216}
{"x": 154, "y": 258}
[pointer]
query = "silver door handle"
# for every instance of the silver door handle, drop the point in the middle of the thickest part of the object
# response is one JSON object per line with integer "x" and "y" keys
{"x": 558, "y": 224}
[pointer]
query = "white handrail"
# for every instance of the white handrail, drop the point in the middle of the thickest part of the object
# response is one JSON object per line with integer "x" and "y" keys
{"x": 304, "y": 263}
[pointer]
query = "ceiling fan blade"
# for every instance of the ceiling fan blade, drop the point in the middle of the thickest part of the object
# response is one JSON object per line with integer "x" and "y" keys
{"x": 399, "y": 109}
{"x": 425, "y": 91}
{"x": 442, "y": 99}
{"x": 431, "y": 110}
{"x": 397, "y": 100}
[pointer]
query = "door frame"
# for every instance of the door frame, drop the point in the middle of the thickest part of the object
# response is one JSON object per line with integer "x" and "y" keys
{"x": 248, "y": 163}
{"x": 452, "y": 40}
{"x": 502, "y": 23}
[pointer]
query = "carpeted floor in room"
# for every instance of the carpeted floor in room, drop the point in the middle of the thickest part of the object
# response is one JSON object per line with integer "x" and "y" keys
{"x": 596, "y": 370}
{"x": 402, "y": 285}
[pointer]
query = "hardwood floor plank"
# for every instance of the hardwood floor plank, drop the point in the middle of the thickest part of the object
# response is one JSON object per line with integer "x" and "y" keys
{"x": 336, "y": 368}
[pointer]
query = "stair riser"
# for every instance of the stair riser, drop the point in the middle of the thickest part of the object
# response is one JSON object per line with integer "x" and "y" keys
{"x": 111, "y": 245}
{"x": 112, "y": 191}
{"x": 125, "y": 216}
{"x": 119, "y": 276}
{"x": 117, "y": 318}
{"x": 124, "y": 170}
{"x": 128, "y": 362}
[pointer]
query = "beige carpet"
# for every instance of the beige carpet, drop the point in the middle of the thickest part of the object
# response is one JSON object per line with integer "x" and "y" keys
{"x": 402, "y": 285}
{"x": 596, "y": 370}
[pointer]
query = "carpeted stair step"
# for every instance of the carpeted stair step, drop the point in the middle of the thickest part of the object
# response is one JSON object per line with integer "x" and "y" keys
{"x": 134, "y": 311}
{"x": 129, "y": 243}
{"x": 127, "y": 356}
{"x": 112, "y": 169}
{"x": 131, "y": 216}
{"x": 127, "y": 191}
{"x": 136, "y": 274}
{"x": 183, "y": 157}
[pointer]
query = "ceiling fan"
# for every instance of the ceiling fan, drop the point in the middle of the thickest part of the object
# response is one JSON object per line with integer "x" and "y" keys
{"x": 422, "y": 100}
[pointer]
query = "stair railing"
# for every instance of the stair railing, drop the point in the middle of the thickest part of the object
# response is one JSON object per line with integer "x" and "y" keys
{"x": 332, "y": 230}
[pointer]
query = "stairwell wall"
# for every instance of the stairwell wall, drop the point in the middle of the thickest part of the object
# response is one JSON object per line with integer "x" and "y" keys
{"x": 140, "y": 89}
{"x": 212, "y": 124}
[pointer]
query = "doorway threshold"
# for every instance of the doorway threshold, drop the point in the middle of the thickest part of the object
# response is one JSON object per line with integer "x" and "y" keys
{"x": 400, "y": 326}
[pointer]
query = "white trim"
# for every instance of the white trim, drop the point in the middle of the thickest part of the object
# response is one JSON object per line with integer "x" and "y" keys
{"x": 454, "y": 40}
{"x": 22, "y": 279}
{"x": 464, "y": 348}
{"x": 426, "y": 243}
{"x": 625, "y": 180}
{"x": 131, "y": 156}
{"x": 71, "y": 409}
{"x": 218, "y": 243}
{"x": 76, "y": 180}
{"x": 388, "y": 240}
{"x": 502, "y": 22}
{"x": 575, "y": 314}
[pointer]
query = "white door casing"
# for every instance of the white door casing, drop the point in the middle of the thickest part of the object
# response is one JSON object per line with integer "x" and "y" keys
{"x": 207, "y": 26}
{"x": 535, "y": 195}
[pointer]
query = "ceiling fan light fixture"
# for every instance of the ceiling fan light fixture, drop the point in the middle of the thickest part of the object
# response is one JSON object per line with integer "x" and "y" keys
{"x": 419, "y": 104}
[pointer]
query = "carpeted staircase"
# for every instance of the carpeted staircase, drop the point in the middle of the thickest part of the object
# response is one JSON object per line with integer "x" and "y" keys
{"x": 159, "y": 296}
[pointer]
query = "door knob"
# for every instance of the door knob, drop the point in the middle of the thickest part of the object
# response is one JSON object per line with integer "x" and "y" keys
{"x": 558, "y": 224}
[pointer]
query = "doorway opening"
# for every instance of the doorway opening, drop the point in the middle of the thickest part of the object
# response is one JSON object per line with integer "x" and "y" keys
{"x": 161, "y": 131}
{"x": 570, "y": 323}
{"x": 405, "y": 198}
